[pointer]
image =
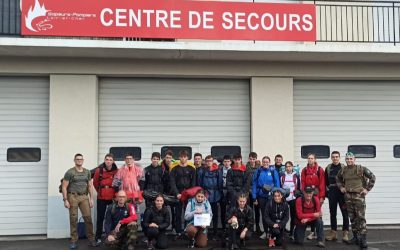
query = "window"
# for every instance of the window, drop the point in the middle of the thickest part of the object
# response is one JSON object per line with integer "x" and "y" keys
{"x": 218, "y": 152}
{"x": 396, "y": 151}
{"x": 320, "y": 151}
{"x": 23, "y": 154}
{"x": 175, "y": 150}
{"x": 120, "y": 152}
{"x": 362, "y": 151}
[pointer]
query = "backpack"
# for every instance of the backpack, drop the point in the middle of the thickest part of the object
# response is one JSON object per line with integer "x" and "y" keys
{"x": 296, "y": 180}
{"x": 303, "y": 202}
{"x": 272, "y": 171}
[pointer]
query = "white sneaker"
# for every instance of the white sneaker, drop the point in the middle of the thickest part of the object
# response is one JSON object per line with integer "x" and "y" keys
{"x": 263, "y": 236}
{"x": 312, "y": 236}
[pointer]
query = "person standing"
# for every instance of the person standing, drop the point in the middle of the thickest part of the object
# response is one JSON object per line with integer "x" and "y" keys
{"x": 252, "y": 165}
{"x": 236, "y": 179}
{"x": 355, "y": 181}
{"x": 102, "y": 182}
{"x": 336, "y": 197}
{"x": 224, "y": 168}
{"x": 290, "y": 181}
{"x": 264, "y": 180}
{"x": 127, "y": 178}
{"x": 210, "y": 180}
{"x": 313, "y": 176}
{"x": 77, "y": 184}
{"x": 182, "y": 177}
{"x": 155, "y": 178}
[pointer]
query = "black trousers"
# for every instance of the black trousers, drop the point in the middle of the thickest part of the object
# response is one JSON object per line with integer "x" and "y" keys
{"x": 214, "y": 209}
{"x": 262, "y": 202}
{"x": 300, "y": 231}
{"x": 292, "y": 206}
{"x": 256, "y": 210}
{"x": 101, "y": 210}
{"x": 337, "y": 198}
{"x": 279, "y": 237}
{"x": 161, "y": 238}
{"x": 178, "y": 217}
{"x": 234, "y": 234}
{"x": 223, "y": 205}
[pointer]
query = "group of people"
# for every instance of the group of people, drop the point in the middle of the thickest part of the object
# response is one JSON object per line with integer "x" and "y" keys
{"x": 192, "y": 196}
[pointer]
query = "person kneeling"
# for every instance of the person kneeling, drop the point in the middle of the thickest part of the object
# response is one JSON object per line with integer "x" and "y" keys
{"x": 240, "y": 222}
{"x": 155, "y": 223}
{"x": 276, "y": 217}
{"x": 308, "y": 211}
{"x": 120, "y": 223}
{"x": 197, "y": 206}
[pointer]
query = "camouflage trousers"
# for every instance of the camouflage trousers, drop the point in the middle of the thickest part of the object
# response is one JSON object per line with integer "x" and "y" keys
{"x": 125, "y": 239}
{"x": 356, "y": 209}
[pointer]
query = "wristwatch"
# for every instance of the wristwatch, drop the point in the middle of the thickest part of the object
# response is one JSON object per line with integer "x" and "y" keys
{"x": 64, "y": 199}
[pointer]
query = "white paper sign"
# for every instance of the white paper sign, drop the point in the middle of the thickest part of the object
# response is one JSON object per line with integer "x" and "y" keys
{"x": 202, "y": 220}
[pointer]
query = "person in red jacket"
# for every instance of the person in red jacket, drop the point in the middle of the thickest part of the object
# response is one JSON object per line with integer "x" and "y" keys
{"x": 102, "y": 182}
{"x": 308, "y": 211}
{"x": 313, "y": 176}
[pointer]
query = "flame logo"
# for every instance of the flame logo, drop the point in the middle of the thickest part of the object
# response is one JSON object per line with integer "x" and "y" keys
{"x": 36, "y": 12}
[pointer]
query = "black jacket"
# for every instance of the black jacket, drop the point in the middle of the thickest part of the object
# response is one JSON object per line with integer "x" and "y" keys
{"x": 237, "y": 181}
{"x": 159, "y": 217}
{"x": 182, "y": 178}
{"x": 276, "y": 213}
{"x": 245, "y": 217}
{"x": 155, "y": 179}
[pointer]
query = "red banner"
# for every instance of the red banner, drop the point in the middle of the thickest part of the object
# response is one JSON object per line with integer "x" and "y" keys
{"x": 179, "y": 19}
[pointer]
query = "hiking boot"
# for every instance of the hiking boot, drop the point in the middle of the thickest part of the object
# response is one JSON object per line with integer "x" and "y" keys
{"x": 93, "y": 243}
{"x": 271, "y": 242}
{"x": 242, "y": 243}
{"x": 191, "y": 244}
{"x": 73, "y": 245}
{"x": 150, "y": 245}
{"x": 234, "y": 247}
{"x": 354, "y": 240}
{"x": 363, "y": 241}
{"x": 312, "y": 236}
{"x": 345, "y": 237}
{"x": 331, "y": 235}
{"x": 320, "y": 244}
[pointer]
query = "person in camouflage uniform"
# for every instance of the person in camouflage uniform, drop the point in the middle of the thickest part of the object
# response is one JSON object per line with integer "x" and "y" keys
{"x": 355, "y": 181}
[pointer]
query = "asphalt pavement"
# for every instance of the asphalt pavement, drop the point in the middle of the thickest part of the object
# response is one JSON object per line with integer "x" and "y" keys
{"x": 378, "y": 239}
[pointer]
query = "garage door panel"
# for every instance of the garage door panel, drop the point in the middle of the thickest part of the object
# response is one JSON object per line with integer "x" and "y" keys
{"x": 342, "y": 113}
{"x": 24, "y": 121}
{"x": 204, "y": 112}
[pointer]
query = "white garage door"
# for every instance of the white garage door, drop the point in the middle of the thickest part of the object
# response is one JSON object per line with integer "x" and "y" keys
{"x": 24, "y": 125}
{"x": 342, "y": 113}
{"x": 150, "y": 113}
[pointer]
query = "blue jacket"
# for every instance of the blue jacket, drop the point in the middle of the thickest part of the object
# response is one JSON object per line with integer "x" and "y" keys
{"x": 212, "y": 182}
{"x": 264, "y": 176}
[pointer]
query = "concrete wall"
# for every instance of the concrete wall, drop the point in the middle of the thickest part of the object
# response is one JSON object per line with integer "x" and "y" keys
{"x": 272, "y": 116}
{"x": 73, "y": 129}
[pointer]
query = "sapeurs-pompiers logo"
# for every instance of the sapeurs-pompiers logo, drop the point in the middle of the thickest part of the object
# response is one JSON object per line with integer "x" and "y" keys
{"x": 34, "y": 12}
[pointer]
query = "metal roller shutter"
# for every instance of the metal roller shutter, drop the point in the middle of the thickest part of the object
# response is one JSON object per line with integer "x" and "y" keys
{"x": 342, "y": 113}
{"x": 24, "y": 122}
{"x": 151, "y": 113}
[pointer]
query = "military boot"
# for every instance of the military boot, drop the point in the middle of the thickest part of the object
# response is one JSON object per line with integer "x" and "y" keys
{"x": 331, "y": 235}
{"x": 354, "y": 240}
{"x": 363, "y": 241}
{"x": 345, "y": 237}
